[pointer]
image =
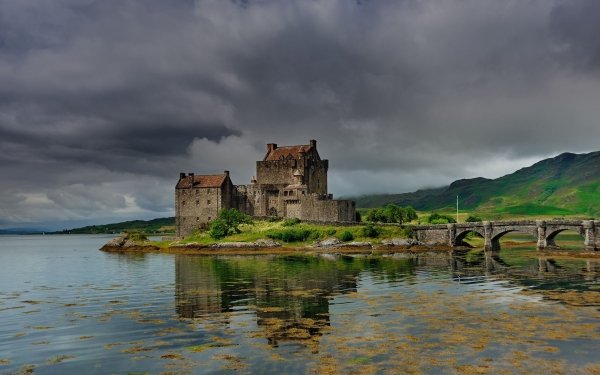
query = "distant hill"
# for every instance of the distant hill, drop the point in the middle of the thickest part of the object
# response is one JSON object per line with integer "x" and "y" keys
{"x": 21, "y": 231}
{"x": 158, "y": 226}
{"x": 568, "y": 184}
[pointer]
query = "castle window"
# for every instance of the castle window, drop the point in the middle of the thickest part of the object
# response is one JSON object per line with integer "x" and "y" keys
{"x": 208, "y": 201}
{"x": 183, "y": 203}
{"x": 197, "y": 191}
{"x": 209, "y": 218}
{"x": 197, "y": 201}
{"x": 197, "y": 218}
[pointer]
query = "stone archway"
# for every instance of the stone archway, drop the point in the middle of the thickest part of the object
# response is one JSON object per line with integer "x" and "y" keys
{"x": 495, "y": 239}
{"x": 460, "y": 236}
{"x": 551, "y": 236}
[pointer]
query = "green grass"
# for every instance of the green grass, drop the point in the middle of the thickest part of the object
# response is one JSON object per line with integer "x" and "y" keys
{"x": 262, "y": 229}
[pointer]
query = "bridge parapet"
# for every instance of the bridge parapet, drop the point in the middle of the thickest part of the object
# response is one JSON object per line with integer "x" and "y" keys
{"x": 492, "y": 231}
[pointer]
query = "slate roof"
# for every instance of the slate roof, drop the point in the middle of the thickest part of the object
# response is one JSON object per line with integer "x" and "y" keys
{"x": 202, "y": 181}
{"x": 285, "y": 151}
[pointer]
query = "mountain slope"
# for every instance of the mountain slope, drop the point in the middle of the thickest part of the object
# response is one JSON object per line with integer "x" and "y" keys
{"x": 568, "y": 184}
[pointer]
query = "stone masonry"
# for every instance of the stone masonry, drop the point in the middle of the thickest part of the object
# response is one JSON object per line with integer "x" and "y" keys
{"x": 290, "y": 182}
{"x": 545, "y": 232}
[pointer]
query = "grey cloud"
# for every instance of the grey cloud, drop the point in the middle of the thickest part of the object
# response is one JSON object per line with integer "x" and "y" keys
{"x": 102, "y": 103}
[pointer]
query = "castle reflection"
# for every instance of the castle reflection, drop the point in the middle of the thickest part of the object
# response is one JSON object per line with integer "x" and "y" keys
{"x": 290, "y": 296}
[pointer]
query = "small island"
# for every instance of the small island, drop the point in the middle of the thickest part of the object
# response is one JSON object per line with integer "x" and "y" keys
{"x": 234, "y": 232}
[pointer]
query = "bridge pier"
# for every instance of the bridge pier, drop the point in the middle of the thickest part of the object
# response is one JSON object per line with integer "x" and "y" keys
{"x": 590, "y": 235}
{"x": 451, "y": 235}
{"x": 489, "y": 244}
{"x": 542, "y": 242}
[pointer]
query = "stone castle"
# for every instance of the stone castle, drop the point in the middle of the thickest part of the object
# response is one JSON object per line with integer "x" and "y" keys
{"x": 290, "y": 182}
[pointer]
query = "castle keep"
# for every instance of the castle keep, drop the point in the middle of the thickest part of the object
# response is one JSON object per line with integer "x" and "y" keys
{"x": 290, "y": 182}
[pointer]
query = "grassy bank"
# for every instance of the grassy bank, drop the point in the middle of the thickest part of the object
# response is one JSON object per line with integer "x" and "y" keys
{"x": 302, "y": 234}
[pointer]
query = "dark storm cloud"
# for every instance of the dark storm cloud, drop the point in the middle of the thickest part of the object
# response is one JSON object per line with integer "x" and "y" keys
{"x": 102, "y": 103}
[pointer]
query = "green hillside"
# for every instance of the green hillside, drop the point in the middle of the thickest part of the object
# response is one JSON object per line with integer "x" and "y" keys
{"x": 157, "y": 226}
{"x": 566, "y": 185}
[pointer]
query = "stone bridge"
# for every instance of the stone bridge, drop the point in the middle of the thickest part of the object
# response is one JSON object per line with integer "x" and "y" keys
{"x": 545, "y": 232}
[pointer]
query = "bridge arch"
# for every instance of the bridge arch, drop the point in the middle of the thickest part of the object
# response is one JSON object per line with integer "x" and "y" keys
{"x": 461, "y": 234}
{"x": 500, "y": 232}
{"x": 553, "y": 232}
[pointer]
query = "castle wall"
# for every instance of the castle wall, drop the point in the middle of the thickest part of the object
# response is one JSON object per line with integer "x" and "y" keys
{"x": 276, "y": 172}
{"x": 293, "y": 209}
{"x": 315, "y": 208}
{"x": 316, "y": 177}
{"x": 196, "y": 207}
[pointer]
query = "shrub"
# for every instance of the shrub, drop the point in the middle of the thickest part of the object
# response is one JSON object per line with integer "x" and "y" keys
{"x": 218, "y": 229}
{"x": 346, "y": 236}
{"x": 473, "y": 219}
{"x": 291, "y": 222}
{"x": 228, "y": 222}
{"x": 331, "y": 231}
{"x": 370, "y": 231}
{"x": 358, "y": 217}
{"x": 136, "y": 236}
{"x": 436, "y": 218}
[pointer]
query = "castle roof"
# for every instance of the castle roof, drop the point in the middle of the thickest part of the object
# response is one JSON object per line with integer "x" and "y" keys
{"x": 285, "y": 151}
{"x": 202, "y": 181}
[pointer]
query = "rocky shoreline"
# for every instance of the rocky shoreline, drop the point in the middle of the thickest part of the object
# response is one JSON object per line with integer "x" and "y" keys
{"x": 123, "y": 244}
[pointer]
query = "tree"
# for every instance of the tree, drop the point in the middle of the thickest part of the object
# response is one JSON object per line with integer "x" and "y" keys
{"x": 473, "y": 219}
{"x": 228, "y": 223}
{"x": 392, "y": 214}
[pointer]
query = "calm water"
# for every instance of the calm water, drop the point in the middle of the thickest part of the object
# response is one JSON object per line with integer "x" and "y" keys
{"x": 66, "y": 307}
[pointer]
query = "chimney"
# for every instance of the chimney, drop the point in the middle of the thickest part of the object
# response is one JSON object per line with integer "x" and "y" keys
{"x": 181, "y": 175}
{"x": 192, "y": 179}
{"x": 226, "y": 173}
{"x": 271, "y": 146}
{"x": 313, "y": 143}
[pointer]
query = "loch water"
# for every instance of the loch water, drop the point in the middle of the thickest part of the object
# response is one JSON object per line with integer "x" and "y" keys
{"x": 66, "y": 307}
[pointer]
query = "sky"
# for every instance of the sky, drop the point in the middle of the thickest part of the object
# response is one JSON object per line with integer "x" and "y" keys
{"x": 104, "y": 102}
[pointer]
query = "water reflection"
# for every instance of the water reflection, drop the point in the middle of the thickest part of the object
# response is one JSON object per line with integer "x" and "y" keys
{"x": 286, "y": 292}
{"x": 350, "y": 311}
{"x": 428, "y": 313}
{"x": 289, "y": 295}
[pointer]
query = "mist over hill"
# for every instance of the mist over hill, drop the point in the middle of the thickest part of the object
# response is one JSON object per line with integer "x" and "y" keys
{"x": 568, "y": 184}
